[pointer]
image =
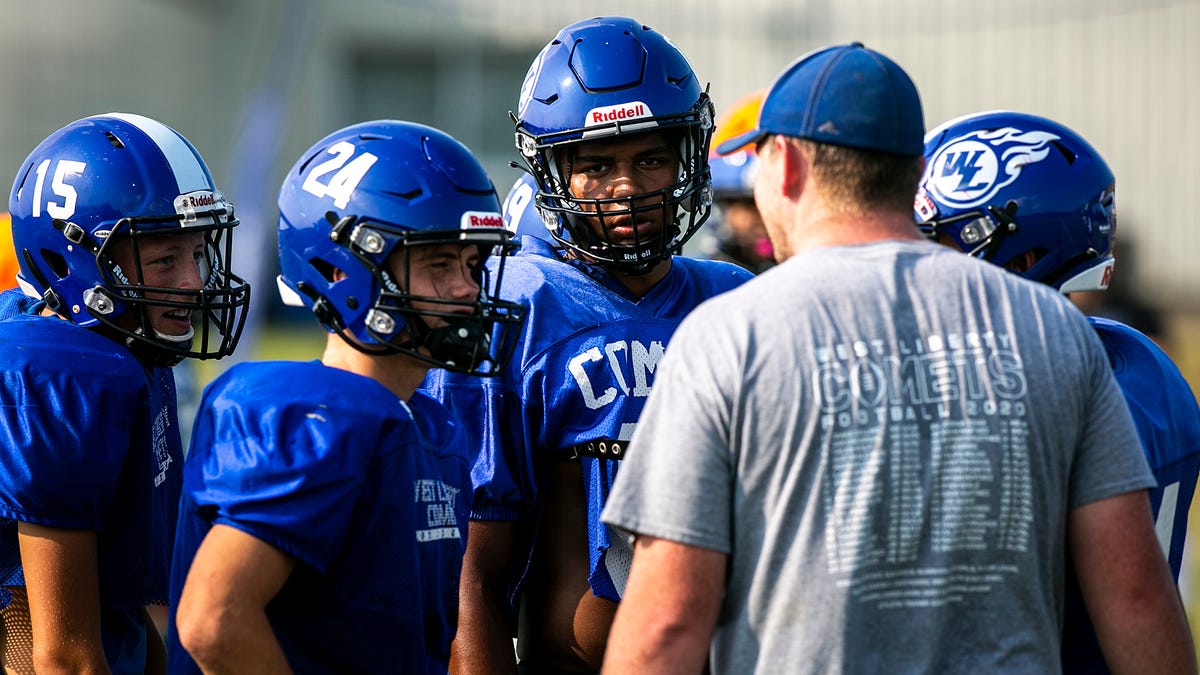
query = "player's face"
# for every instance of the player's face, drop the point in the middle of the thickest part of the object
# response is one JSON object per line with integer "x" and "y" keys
{"x": 624, "y": 167}
{"x": 746, "y": 227}
{"x": 769, "y": 195}
{"x": 448, "y": 271}
{"x": 176, "y": 261}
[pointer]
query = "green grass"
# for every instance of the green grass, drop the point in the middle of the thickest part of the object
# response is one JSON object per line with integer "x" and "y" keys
{"x": 276, "y": 342}
{"x": 290, "y": 342}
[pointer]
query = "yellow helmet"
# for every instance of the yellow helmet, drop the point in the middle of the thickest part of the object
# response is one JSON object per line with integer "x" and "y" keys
{"x": 8, "y": 255}
{"x": 733, "y": 175}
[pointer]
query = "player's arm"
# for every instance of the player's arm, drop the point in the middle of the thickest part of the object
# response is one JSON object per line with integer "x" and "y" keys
{"x": 667, "y": 616}
{"x": 221, "y": 618}
{"x": 1127, "y": 586}
{"x": 62, "y": 581}
{"x": 483, "y": 643}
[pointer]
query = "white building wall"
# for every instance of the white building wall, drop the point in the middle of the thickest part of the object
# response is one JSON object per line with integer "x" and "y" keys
{"x": 1121, "y": 72}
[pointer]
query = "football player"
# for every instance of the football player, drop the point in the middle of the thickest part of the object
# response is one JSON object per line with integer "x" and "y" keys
{"x": 1031, "y": 195}
{"x": 739, "y": 234}
{"x": 521, "y": 217}
{"x": 123, "y": 243}
{"x": 614, "y": 127}
{"x": 325, "y": 505}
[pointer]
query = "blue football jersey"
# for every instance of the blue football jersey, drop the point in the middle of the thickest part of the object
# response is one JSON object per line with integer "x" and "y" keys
{"x": 1168, "y": 423}
{"x": 368, "y": 493}
{"x": 575, "y": 387}
{"x": 89, "y": 439}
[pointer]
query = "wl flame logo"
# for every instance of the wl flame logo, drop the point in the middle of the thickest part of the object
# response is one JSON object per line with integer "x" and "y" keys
{"x": 971, "y": 169}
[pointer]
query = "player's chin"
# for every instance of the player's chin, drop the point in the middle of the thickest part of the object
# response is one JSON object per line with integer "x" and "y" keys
{"x": 629, "y": 234}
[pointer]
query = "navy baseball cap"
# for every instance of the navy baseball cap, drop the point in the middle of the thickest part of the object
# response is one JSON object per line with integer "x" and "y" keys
{"x": 844, "y": 95}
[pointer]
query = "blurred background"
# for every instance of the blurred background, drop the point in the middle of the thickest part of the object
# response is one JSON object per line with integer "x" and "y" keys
{"x": 253, "y": 83}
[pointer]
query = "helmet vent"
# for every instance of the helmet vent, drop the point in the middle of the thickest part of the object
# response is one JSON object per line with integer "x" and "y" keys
{"x": 405, "y": 195}
{"x": 112, "y": 139}
{"x": 1067, "y": 154}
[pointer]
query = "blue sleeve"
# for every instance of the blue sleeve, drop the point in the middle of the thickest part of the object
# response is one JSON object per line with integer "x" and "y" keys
{"x": 501, "y": 475}
{"x": 1168, "y": 424}
{"x": 287, "y": 473}
{"x": 65, "y": 425}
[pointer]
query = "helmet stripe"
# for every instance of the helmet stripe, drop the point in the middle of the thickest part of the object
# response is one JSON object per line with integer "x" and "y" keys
{"x": 190, "y": 173}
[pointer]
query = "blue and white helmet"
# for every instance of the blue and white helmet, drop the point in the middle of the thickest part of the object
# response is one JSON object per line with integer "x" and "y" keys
{"x": 604, "y": 77}
{"x": 379, "y": 188}
{"x": 1023, "y": 192}
{"x": 115, "y": 177}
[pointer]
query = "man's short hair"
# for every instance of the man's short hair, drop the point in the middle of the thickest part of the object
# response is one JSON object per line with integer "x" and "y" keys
{"x": 854, "y": 180}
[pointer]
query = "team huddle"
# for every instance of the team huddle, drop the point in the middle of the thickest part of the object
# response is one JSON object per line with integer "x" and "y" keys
{"x": 540, "y": 440}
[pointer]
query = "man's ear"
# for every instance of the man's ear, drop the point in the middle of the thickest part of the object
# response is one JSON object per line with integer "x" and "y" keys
{"x": 796, "y": 167}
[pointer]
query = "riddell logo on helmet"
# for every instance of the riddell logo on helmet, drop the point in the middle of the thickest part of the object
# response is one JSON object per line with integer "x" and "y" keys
{"x": 194, "y": 201}
{"x": 482, "y": 219}
{"x": 617, "y": 113}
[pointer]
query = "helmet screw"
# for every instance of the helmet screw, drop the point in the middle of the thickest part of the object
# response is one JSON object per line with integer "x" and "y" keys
{"x": 381, "y": 322}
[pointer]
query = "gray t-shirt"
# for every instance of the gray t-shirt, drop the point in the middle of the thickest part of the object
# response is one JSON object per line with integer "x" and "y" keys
{"x": 887, "y": 439}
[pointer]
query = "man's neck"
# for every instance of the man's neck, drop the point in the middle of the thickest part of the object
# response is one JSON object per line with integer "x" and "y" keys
{"x": 638, "y": 285}
{"x": 837, "y": 229}
{"x": 641, "y": 284}
{"x": 400, "y": 373}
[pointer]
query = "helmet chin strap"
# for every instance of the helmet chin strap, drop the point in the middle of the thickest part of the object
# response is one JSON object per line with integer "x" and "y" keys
{"x": 159, "y": 357}
{"x": 456, "y": 344}
{"x": 178, "y": 339}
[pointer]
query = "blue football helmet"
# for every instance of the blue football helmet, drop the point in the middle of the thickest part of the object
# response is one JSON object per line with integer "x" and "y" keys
{"x": 1023, "y": 192}
{"x": 521, "y": 215}
{"x": 114, "y": 178}
{"x": 383, "y": 188}
{"x": 733, "y": 175}
{"x": 600, "y": 78}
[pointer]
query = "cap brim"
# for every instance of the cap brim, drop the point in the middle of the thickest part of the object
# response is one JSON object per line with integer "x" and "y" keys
{"x": 738, "y": 142}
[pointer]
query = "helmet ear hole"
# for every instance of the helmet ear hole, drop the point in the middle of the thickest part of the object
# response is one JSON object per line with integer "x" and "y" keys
{"x": 327, "y": 270}
{"x": 1024, "y": 262}
{"x": 56, "y": 263}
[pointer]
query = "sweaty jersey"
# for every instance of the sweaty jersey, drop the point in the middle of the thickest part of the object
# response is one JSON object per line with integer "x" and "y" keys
{"x": 89, "y": 439}
{"x": 1168, "y": 424}
{"x": 575, "y": 387}
{"x": 368, "y": 493}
